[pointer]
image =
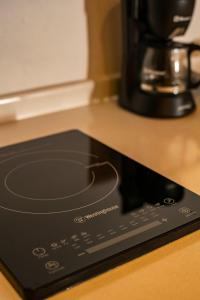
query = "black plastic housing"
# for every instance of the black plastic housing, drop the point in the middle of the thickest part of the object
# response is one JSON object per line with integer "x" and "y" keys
{"x": 139, "y": 26}
{"x": 166, "y": 18}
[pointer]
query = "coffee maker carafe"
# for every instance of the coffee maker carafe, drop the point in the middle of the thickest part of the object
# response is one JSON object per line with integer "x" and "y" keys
{"x": 156, "y": 73}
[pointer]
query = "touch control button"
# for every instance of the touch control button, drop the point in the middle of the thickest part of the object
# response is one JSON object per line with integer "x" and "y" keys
{"x": 52, "y": 265}
{"x": 169, "y": 201}
{"x": 39, "y": 252}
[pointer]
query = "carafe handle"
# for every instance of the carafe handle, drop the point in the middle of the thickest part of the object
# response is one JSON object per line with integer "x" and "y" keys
{"x": 192, "y": 48}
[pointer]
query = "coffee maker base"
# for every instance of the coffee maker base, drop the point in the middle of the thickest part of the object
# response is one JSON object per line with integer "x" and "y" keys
{"x": 160, "y": 106}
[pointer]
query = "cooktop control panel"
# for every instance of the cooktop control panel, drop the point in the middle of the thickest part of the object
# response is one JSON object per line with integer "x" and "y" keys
{"x": 83, "y": 243}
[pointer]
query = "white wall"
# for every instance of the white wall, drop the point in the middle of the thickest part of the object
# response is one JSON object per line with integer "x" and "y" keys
{"x": 42, "y": 42}
{"x": 45, "y": 42}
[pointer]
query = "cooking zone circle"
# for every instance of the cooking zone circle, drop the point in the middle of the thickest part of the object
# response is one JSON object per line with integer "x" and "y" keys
{"x": 55, "y": 181}
{"x": 47, "y": 180}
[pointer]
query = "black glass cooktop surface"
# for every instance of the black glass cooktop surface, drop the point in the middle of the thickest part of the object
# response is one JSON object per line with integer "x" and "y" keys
{"x": 71, "y": 208}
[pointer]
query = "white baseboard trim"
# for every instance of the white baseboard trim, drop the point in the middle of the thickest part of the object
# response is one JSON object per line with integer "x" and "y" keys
{"x": 44, "y": 102}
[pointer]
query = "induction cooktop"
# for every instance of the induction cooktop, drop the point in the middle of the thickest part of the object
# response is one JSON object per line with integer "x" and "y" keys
{"x": 71, "y": 208}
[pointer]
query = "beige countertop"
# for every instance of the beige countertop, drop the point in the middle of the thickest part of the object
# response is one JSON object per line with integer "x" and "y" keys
{"x": 171, "y": 147}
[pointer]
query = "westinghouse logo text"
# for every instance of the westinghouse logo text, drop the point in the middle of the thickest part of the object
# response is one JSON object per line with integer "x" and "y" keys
{"x": 86, "y": 218}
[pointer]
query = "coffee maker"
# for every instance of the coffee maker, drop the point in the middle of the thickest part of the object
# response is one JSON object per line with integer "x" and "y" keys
{"x": 156, "y": 69}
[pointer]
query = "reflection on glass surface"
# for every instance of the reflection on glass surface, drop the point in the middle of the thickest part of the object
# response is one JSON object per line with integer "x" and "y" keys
{"x": 141, "y": 185}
